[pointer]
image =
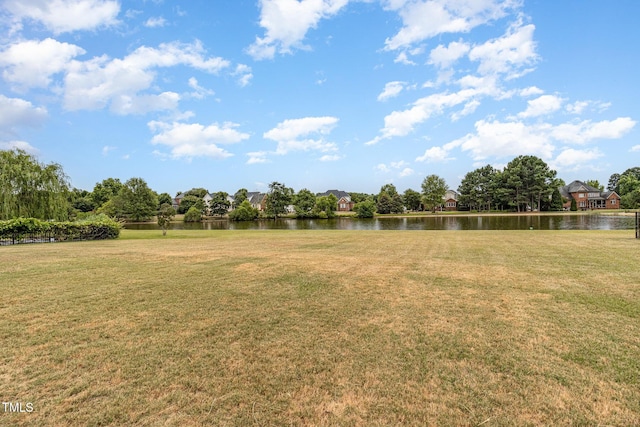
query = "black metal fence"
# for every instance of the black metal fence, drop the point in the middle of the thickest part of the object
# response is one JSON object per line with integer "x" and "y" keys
{"x": 25, "y": 238}
{"x": 637, "y": 225}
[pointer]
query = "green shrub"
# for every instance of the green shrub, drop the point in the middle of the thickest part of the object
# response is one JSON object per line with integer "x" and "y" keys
{"x": 194, "y": 214}
{"x": 365, "y": 209}
{"x": 95, "y": 227}
{"x": 244, "y": 212}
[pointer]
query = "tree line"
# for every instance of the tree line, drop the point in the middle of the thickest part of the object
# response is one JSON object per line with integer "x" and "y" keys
{"x": 32, "y": 189}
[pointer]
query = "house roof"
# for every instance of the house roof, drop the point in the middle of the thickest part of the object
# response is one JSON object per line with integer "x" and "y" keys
{"x": 255, "y": 197}
{"x": 338, "y": 193}
{"x": 577, "y": 187}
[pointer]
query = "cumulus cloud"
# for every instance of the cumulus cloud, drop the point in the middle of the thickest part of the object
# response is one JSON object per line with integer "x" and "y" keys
{"x": 391, "y": 90}
{"x": 406, "y": 172}
{"x": 423, "y": 19}
{"x": 496, "y": 139}
{"x": 330, "y": 158}
{"x": 19, "y": 145}
{"x": 32, "y": 63}
{"x": 102, "y": 81}
{"x": 569, "y": 158}
{"x": 196, "y": 140}
{"x": 444, "y": 56}
{"x": 543, "y": 105}
{"x": 635, "y": 148}
{"x": 17, "y": 113}
{"x": 294, "y": 134}
{"x": 507, "y": 54}
{"x": 587, "y": 131}
{"x": 401, "y": 123}
{"x": 286, "y": 23}
{"x": 243, "y": 74}
{"x": 199, "y": 92}
{"x": 155, "y": 22}
{"x": 256, "y": 157}
{"x": 435, "y": 155}
{"x": 530, "y": 91}
{"x": 400, "y": 168}
{"x": 63, "y": 16}
{"x": 506, "y": 139}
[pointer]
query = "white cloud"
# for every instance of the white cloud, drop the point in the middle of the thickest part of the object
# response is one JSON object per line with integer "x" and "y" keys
{"x": 382, "y": 168}
{"x": 290, "y": 134}
{"x": 32, "y": 63}
{"x": 586, "y": 131}
{"x": 330, "y": 158}
{"x": 570, "y": 159}
{"x": 107, "y": 149}
{"x": 400, "y": 166}
{"x": 635, "y": 148}
{"x": 15, "y": 113}
{"x": 530, "y": 91}
{"x": 101, "y": 81}
{"x": 507, "y": 54}
{"x": 401, "y": 123}
{"x": 402, "y": 58}
{"x": 63, "y": 16}
{"x": 257, "y": 157}
{"x": 244, "y": 74}
{"x": 435, "y": 155}
{"x": 423, "y": 19}
{"x": 199, "y": 91}
{"x": 506, "y": 139}
{"x": 543, "y": 105}
{"x": 286, "y": 23}
{"x": 19, "y": 145}
{"x": 406, "y": 172}
{"x": 391, "y": 89}
{"x": 469, "y": 108}
{"x": 155, "y": 22}
{"x": 495, "y": 139}
{"x": 196, "y": 140}
{"x": 577, "y": 107}
{"x": 444, "y": 57}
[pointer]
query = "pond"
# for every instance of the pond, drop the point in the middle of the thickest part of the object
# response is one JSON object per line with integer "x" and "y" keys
{"x": 436, "y": 222}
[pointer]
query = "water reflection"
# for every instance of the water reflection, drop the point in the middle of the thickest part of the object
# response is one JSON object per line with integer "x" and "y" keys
{"x": 442, "y": 222}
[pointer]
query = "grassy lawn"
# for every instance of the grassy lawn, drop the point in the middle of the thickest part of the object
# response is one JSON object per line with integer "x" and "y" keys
{"x": 324, "y": 328}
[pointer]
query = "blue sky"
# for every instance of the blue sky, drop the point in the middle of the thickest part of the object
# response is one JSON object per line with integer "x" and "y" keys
{"x": 319, "y": 94}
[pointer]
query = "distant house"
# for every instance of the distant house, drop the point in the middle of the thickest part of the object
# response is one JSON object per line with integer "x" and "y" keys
{"x": 450, "y": 199}
{"x": 588, "y": 197}
{"x": 258, "y": 200}
{"x": 344, "y": 199}
{"x": 207, "y": 200}
{"x": 177, "y": 200}
{"x": 231, "y": 201}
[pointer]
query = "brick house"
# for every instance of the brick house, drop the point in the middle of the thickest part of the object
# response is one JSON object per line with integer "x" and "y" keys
{"x": 450, "y": 201}
{"x": 344, "y": 199}
{"x": 588, "y": 197}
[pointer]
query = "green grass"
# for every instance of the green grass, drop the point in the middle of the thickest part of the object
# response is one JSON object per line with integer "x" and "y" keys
{"x": 324, "y": 328}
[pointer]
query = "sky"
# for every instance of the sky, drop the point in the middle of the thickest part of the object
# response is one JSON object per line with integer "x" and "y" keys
{"x": 319, "y": 94}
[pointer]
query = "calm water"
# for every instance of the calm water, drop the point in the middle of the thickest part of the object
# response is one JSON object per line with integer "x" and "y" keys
{"x": 493, "y": 222}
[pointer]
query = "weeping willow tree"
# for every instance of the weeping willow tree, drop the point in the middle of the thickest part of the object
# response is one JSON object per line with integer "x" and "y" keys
{"x": 31, "y": 189}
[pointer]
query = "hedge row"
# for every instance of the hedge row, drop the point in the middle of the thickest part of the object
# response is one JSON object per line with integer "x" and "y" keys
{"x": 96, "y": 228}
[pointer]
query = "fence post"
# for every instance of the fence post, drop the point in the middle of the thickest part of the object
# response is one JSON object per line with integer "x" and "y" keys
{"x": 637, "y": 225}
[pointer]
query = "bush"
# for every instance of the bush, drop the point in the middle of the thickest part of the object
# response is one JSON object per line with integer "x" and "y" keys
{"x": 365, "y": 209}
{"x": 193, "y": 215}
{"x": 244, "y": 212}
{"x": 95, "y": 227}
